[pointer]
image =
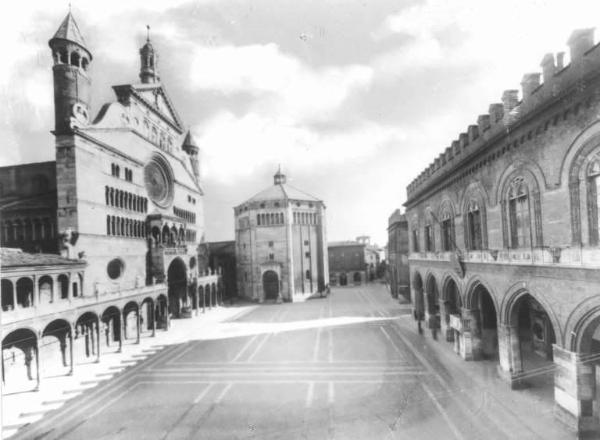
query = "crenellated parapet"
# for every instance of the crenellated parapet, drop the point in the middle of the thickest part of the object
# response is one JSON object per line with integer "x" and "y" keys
{"x": 539, "y": 90}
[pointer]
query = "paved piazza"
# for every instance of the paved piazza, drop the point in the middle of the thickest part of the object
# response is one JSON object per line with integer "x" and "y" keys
{"x": 349, "y": 366}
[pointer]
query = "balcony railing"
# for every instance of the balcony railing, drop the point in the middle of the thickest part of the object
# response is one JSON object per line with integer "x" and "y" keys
{"x": 59, "y": 305}
{"x": 542, "y": 256}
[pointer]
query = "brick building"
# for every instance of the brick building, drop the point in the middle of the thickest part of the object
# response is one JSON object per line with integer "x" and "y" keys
{"x": 352, "y": 262}
{"x": 281, "y": 250}
{"x": 122, "y": 204}
{"x": 503, "y": 229}
{"x": 397, "y": 255}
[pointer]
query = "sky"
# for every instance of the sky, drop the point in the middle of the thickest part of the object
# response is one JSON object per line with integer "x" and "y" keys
{"x": 353, "y": 98}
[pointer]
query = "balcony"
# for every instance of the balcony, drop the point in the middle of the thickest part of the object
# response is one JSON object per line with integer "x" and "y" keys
{"x": 61, "y": 305}
{"x": 541, "y": 256}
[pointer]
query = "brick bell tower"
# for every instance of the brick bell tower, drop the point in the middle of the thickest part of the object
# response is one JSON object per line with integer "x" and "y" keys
{"x": 72, "y": 83}
{"x": 72, "y": 89}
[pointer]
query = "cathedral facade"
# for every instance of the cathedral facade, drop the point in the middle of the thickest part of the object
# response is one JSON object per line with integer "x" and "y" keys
{"x": 123, "y": 200}
{"x": 281, "y": 245}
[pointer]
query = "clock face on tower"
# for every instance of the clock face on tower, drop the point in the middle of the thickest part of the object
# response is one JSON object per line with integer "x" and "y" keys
{"x": 159, "y": 182}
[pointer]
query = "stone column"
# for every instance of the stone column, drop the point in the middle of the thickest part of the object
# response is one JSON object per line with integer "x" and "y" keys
{"x": 69, "y": 288}
{"x": 36, "y": 292}
{"x": 138, "y": 325}
{"x": 447, "y": 331}
{"x": 121, "y": 332}
{"x": 97, "y": 328}
{"x": 574, "y": 390}
{"x": 471, "y": 345}
{"x": 14, "y": 283}
{"x": 63, "y": 348}
{"x": 509, "y": 351}
{"x": 37, "y": 364}
{"x": 203, "y": 301}
{"x": 71, "y": 352}
{"x": 153, "y": 320}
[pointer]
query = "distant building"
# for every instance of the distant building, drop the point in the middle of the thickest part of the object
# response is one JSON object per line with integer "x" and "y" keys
{"x": 281, "y": 251}
{"x": 397, "y": 255}
{"x": 221, "y": 256}
{"x": 352, "y": 262}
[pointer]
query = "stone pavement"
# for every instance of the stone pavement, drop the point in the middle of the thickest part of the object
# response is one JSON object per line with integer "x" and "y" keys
{"x": 21, "y": 409}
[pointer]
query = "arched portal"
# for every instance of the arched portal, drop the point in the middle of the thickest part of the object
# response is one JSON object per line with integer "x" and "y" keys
{"x": 452, "y": 305}
{"x": 433, "y": 305}
{"x": 25, "y": 292}
{"x": 161, "y": 312}
{"x": 484, "y": 324}
{"x": 177, "y": 280}
{"x": 56, "y": 339}
{"x": 343, "y": 279}
{"x": 419, "y": 300}
{"x": 356, "y": 278}
{"x": 8, "y": 300}
{"x": 20, "y": 364}
{"x": 270, "y": 281}
{"x": 87, "y": 331}
{"x": 46, "y": 289}
{"x": 532, "y": 326}
{"x": 146, "y": 315}
{"x": 131, "y": 321}
{"x": 111, "y": 327}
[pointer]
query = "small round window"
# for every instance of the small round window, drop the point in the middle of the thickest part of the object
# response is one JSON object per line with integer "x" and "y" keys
{"x": 115, "y": 269}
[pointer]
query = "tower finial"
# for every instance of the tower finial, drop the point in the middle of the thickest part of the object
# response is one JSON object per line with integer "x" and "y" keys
{"x": 69, "y": 7}
{"x": 148, "y": 32}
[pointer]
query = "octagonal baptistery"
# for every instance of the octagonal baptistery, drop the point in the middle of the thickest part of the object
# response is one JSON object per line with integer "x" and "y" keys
{"x": 281, "y": 244}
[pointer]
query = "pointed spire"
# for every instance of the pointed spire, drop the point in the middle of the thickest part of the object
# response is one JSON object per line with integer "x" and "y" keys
{"x": 189, "y": 143}
{"x": 279, "y": 178}
{"x": 148, "y": 57}
{"x": 69, "y": 31}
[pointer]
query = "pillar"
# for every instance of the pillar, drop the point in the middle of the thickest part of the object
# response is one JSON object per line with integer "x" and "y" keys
{"x": 574, "y": 391}
{"x": 447, "y": 331}
{"x": 69, "y": 288}
{"x": 36, "y": 292}
{"x": 37, "y": 364}
{"x": 138, "y": 325}
{"x": 97, "y": 328}
{"x": 471, "y": 345}
{"x": 203, "y": 301}
{"x": 63, "y": 349}
{"x": 153, "y": 321}
{"x": 509, "y": 351}
{"x": 121, "y": 333}
{"x": 71, "y": 352}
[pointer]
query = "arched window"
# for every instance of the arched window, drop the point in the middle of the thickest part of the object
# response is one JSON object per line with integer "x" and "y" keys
{"x": 258, "y": 219}
{"x": 474, "y": 226}
{"x": 519, "y": 221}
{"x": 74, "y": 59}
{"x": 108, "y": 230}
{"x": 84, "y": 63}
{"x": 447, "y": 230}
{"x": 107, "y": 195}
{"x": 415, "y": 240}
{"x": 428, "y": 235}
{"x": 64, "y": 57}
{"x": 593, "y": 196}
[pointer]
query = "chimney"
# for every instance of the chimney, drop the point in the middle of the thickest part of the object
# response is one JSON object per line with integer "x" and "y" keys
{"x": 560, "y": 60}
{"x": 463, "y": 139}
{"x": 580, "y": 41}
{"x": 510, "y": 99}
{"x": 473, "y": 132}
{"x": 496, "y": 113}
{"x": 548, "y": 68}
{"x": 529, "y": 83}
{"x": 455, "y": 147}
{"x": 483, "y": 122}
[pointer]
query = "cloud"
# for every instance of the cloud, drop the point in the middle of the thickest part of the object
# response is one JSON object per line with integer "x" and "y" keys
{"x": 281, "y": 83}
{"x": 237, "y": 146}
